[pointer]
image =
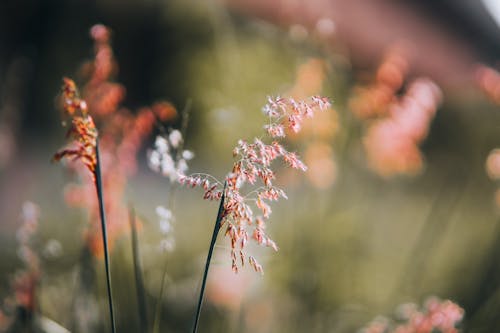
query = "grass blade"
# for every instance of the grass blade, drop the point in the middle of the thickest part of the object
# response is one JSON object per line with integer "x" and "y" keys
{"x": 209, "y": 258}
{"x": 156, "y": 324}
{"x": 98, "y": 185}
{"x": 139, "y": 282}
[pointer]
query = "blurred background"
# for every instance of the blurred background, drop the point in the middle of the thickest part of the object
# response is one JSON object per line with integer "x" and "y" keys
{"x": 400, "y": 202}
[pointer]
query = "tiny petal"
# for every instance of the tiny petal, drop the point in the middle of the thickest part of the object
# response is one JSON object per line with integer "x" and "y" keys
{"x": 154, "y": 160}
{"x": 165, "y": 226}
{"x": 175, "y": 138}
{"x": 161, "y": 145}
{"x": 182, "y": 166}
{"x": 164, "y": 213}
{"x": 187, "y": 155}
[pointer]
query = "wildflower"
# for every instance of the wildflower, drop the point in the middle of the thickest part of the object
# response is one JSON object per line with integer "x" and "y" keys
{"x": 121, "y": 134}
{"x": 175, "y": 138}
{"x": 253, "y": 167}
{"x": 167, "y": 242}
{"x": 396, "y": 123}
{"x": 168, "y": 157}
{"x": 392, "y": 143}
{"x": 82, "y": 130}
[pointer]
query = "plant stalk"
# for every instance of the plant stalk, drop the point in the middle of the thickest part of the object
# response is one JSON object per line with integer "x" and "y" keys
{"x": 139, "y": 282}
{"x": 209, "y": 258}
{"x": 98, "y": 185}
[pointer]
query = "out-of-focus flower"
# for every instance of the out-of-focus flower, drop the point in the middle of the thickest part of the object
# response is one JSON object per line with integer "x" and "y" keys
{"x": 395, "y": 124}
{"x": 488, "y": 80}
{"x": 167, "y": 242}
{"x": 227, "y": 289}
{"x": 374, "y": 100}
{"x": 435, "y": 315}
{"x": 392, "y": 143}
{"x": 318, "y": 132}
{"x": 493, "y": 164}
{"x": 168, "y": 157}
{"x": 253, "y": 168}
{"x": 322, "y": 168}
{"x": 121, "y": 134}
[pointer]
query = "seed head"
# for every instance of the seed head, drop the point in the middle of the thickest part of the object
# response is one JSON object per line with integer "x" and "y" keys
{"x": 250, "y": 183}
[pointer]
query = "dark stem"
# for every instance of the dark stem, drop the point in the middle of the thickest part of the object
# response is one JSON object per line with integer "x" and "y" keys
{"x": 139, "y": 283}
{"x": 209, "y": 258}
{"x": 98, "y": 185}
{"x": 156, "y": 323}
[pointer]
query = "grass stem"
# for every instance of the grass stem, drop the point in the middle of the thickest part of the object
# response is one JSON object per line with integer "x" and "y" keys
{"x": 98, "y": 185}
{"x": 209, "y": 258}
{"x": 139, "y": 282}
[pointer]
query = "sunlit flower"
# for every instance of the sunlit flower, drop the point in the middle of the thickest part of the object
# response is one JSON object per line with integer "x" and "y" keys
{"x": 396, "y": 123}
{"x": 168, "y": 157}
{"x": 121, "y": 134}
{"x": 82, "y": 130}
{"x": 167, "y": 243}
{"x": 253, "y": 167}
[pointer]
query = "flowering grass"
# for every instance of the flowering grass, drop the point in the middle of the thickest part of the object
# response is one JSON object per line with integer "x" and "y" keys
{"x": 105, "y": 160}
{"x": 85, "y": 149}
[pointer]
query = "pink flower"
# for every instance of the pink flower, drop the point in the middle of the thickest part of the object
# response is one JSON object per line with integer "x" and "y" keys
{"x": 252, "y": 170}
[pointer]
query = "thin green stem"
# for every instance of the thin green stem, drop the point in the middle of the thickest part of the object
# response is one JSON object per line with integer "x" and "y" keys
{"x": 98, "y": 185}
{"x": 139, "y": 282}
{"x": 209, "y": 258}
{"x": 156, "y": 324}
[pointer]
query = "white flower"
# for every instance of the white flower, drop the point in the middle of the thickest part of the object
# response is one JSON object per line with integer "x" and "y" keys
{"x": 187, "y": 155}
{"x": 164, "y": 213}
{"x": 167, "y": 165}
{"x": 182, "y": 166}
{"x": 165, "y": 226}
{"x": 175, "y": 138}
{"x": 161, "y": 145}
{"x": 154, "y": 160}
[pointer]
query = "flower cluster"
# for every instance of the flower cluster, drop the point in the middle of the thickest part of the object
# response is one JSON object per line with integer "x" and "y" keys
{"x": 374, "y": 100}
{"x": 121, "y": 134}
{"x": 168, "y": 157}
{"x": 436, "y": 315}
{"x": 392, "y": 143}
{"x": 253, "y": 168}
{"x": 103, "y": 96}
{"x": 396, "y": 124}
{"x": 166, "y": 219}
{"x": 82, "y": 131}
{"x": 488, "y": 80}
